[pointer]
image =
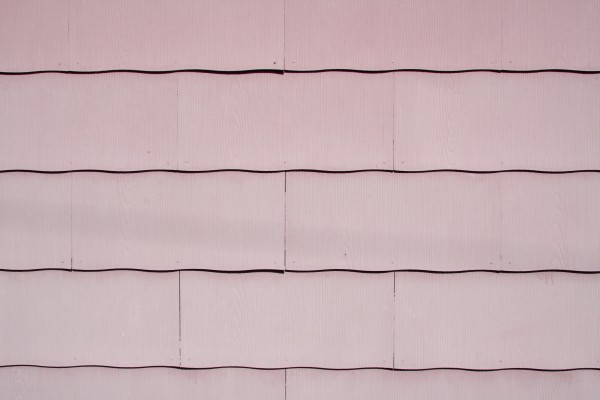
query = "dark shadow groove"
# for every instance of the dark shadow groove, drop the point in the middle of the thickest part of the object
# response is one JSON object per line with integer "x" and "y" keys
{"x": 281, "y": 171}
{"x": 302, "y": 367}
{"x": 312, "y": 271}
{"x": 298, "y": 71}
{"x": 460, "y": 271}
{"x": 158, "y": 271}
{"x": 148, "y": 72}
{"x": 454, "y": 71}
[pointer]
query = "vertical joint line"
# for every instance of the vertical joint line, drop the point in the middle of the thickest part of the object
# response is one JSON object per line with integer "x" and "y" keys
{"x": 284, "y": 221}
{"x": 285, "y": 384}
{"x": 177, "y": 125}
{"x": 394, "y": 123}
{"x": 71, "y": 227}
{"x": 179, "y": 302}
{"x": 394, "y": 328}
{"x": 283, "y": 36}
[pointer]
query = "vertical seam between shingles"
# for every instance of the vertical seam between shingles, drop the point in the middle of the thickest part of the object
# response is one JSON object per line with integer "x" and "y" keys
{"x": 71, "y": 223}
{"x": 394, "y": 327}
{"x": 500, "y": 239}
{"x": 283, "y": 36}
{"x": 179, "y": 303}
{"x": 285, "y": 384}
{"x": 177, "y": 124}
{"x": 393, "y": 123}
{"x": 284, "y": 221}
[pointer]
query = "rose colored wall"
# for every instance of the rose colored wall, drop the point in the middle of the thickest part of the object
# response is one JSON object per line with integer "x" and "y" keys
{"x": 227, "y": 199}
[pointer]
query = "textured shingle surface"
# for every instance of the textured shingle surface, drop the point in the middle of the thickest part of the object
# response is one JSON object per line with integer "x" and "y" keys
{"x": 228, "y": 199}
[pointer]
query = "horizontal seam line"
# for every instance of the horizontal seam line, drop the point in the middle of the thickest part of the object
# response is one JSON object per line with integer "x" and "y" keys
{"x": 304, "y": 367}
{"x": 309, "y": 271}
{"x": 303, "y": 71}
{"x": 280, "y": 171}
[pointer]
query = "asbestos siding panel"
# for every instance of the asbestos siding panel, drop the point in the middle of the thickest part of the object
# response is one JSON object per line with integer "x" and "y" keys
{"x": 36, "y": 127}
{"x": 551, "y": 34}
{"x": 141, "y": 384}
{"x": 383, "y": 221}
{"x": 34, "y": 35}
{"x": 387, "y": 34}
{"x": 35, "y": 221}
{"x": 192, "y": 121}
{"x": 230, "y": 121}
{"x": 551, "y": 221}
{"x": 91, "y": 35}
{"x": 338, "y": 121}
{"x": 266, "y": 121}
{"x": 443, "y": 221}
{"x": 330, "y": 320}
{"x": 478, "y": 121}
{"x": 60, "y": 318}
{"x": 164, "y": 221}
{"x": 480, "y": 320}
{"x": 124, "y": 121}
{"x": 449, "y": 35}
{"x": 442, "y": 384}
{"x": 224, "y": 35}
{"x": 487, "y": 121}
{"x": 109, "y": 121}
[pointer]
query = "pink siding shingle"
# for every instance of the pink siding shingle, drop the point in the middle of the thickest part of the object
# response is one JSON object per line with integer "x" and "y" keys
{"x": 123, "y": 121}
{"x": 349, "y": 114}
{"x": 331, "y": 121}
{"x": 34, "y": 35}
{"x": 448, "y": 35}
{"x": 108, "y": 121}
{"x": 331, "y": 320}
{"x": 551, "y": 222}
{"x": 443, "y": 221}
{"x": 551, "y": 34}
{"x": 61, "y": 318}
{"x": 141, "y": 334}
{"x": 140, "y": 384}
{"x": 441, "y": 384}
{"x": 36, "y": 128}
{"x": 91, "y": 35}
{"x": 224, "y": 35}
{"x": 271, "y": 122}
{"x": 35, "y": 221}
{"x": 230, "y": 121}
{"x": 165, "y": 221}
{"x": 480, "y": 320}
{"x": 487, "y": 121}
{"x": 387, "y": 34}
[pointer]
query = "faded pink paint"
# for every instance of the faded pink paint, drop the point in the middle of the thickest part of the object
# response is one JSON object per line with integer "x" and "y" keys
{"x": 140, "y": 34}
{"x": 484, "y": 321}
{"x": 487, "y": 121}
{"x": 443, "y": 221}
{"x": 442, "y": 35}
{"x": 441, "y": 384}
{"x": 331, "y": 320}
{"x": 35, "y": 221}
{"x": 196, "y": 121}
{"x": 34, "y": 35}
{"x": 157, "y": 221}
{"x": 333, "y": 121}
{"x": 110, "y": 121}
{"x": 388, "y": 34}
{"x": 279, "y": 122}
{"x": 141, "y": 384}
{"x": 338, "y": 121}
{"x": 60, "y": 318}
